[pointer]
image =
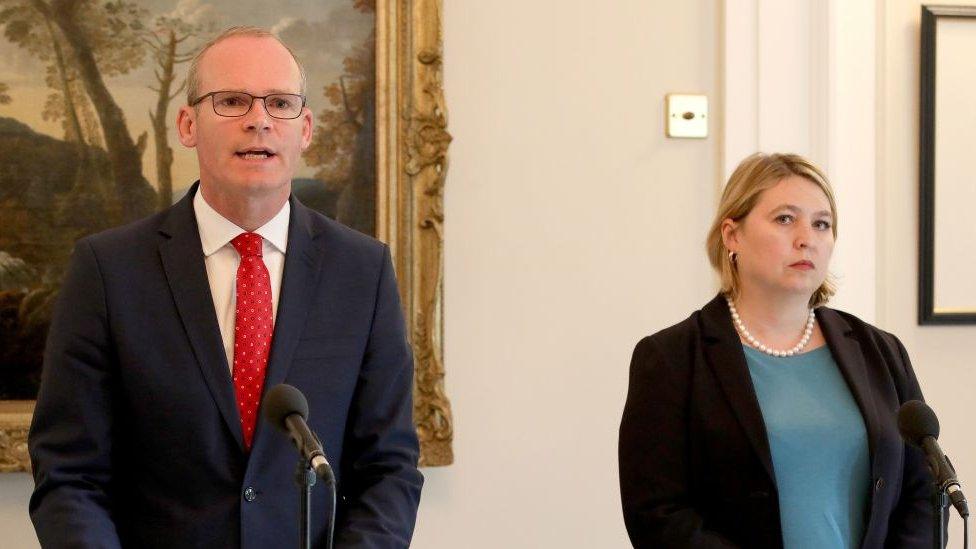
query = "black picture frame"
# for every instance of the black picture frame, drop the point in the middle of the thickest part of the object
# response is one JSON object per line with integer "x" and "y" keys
{"x": 928, "y": 314}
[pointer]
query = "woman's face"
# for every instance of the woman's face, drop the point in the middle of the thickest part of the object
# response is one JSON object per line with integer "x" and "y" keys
{"x": 783, "y": 246}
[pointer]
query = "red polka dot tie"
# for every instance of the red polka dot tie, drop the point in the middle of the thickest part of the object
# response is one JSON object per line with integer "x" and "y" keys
{"x": 252, "y": 331}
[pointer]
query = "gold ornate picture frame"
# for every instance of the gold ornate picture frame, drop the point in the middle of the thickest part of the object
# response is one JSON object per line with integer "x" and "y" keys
{"x": 411, "y": 156}
{"x": 413, "y": 165}
{"x": 15, "y": 417}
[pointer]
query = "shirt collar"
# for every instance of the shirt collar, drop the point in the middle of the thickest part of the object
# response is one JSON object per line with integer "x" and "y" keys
{"x": 216, "y": 231}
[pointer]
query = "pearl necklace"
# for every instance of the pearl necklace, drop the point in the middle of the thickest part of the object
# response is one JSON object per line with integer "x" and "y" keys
{"x": 807, "y": 332}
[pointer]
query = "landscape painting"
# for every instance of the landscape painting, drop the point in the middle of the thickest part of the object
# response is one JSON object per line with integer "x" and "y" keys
{"x": 89, "y": 91}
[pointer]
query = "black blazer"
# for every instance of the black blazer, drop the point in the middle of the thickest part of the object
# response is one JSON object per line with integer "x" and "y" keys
{"x": 695, "y": 464}
{"x": 136, "y": 439}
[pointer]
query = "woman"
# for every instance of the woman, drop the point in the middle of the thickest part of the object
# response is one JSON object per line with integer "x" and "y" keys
{"x": 766, "y": 419}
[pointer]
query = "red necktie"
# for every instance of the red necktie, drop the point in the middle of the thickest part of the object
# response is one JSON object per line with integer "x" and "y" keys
{"x": 252, "y": 330}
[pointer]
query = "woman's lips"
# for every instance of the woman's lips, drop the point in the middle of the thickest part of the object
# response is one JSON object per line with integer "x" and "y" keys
{"x": 804, "y": 265}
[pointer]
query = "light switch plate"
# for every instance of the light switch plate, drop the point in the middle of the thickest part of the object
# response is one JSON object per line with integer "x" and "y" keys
{"x": 687, "y": 115}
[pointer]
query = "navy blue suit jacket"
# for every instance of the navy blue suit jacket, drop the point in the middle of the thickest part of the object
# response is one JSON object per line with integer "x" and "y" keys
{"x": 136, "y": 440}
{"x": 695, "y": 464}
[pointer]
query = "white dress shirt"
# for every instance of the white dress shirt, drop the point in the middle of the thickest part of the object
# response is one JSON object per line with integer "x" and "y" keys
{"x": 222, "y": 259}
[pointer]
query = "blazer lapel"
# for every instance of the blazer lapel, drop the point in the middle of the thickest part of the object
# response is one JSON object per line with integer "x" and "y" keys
{"x": 185, "y": 268}
{"x": 849, "y": 356}
{"x": 299, "y": 282}
{"x": 298, "y": 286}
{"x": 723, "y": 352}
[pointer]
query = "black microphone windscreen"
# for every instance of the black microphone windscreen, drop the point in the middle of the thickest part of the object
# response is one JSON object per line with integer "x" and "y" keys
{"x": 917, "y": 421}
{"x": 281, "y": 401}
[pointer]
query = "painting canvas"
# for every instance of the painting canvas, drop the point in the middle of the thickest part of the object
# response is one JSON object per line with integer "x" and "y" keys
{"x": 89, "y": 92}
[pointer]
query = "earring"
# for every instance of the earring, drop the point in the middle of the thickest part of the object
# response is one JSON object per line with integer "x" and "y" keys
{"x": 732, "y": 257}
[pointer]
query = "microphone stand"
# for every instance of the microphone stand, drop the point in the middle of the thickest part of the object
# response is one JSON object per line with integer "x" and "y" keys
{"x": 940, "y": 505}
{"x": 940, "y": 502}
{"x": 305, "y": 479}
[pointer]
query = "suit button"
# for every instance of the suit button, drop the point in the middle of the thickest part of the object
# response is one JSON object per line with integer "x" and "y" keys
{"x": 250, "y": 494}
{"x": 879, "y": 484}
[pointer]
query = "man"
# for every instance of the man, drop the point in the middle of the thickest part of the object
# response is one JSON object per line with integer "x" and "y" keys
{"x": 147, "y": 429}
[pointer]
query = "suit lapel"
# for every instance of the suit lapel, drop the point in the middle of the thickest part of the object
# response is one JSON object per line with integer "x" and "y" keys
{"x": 299, "y": 282}
{"x": 723, "y": 352}
{"x": 185, "y": 268}
{"x": 847, "y": 352}
{"x": 298, "y": 286}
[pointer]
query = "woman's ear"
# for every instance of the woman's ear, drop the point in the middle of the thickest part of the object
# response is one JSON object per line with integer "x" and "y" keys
{"x": 730, "y": 235}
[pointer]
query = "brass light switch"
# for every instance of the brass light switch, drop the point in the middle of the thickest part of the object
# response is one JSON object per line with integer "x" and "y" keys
{"x": 687, "y": 115}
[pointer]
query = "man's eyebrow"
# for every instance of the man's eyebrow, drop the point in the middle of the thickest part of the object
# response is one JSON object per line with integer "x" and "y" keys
{"x": 796, "y": 209}
{"x": 271, "y": 91}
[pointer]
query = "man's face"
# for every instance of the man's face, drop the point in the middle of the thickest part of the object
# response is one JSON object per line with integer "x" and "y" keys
{"x": 254, "y": 154}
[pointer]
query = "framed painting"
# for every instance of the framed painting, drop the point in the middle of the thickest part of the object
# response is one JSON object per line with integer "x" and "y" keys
{"x": 947, "y": 236}
{"x": 88, "y": 97}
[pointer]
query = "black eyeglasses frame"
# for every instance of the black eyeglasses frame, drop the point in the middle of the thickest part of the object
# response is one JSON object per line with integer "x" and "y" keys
{"x": 263, "y": 99}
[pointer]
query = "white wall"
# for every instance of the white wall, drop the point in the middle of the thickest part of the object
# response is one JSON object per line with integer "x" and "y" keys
{"x": 807, "y": 84}
{"x": 16, "y": 531}
{"x": 943, "y": 356}
{"x": 573, "y": 228}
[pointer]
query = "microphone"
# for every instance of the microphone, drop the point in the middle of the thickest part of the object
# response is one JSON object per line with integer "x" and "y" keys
{"x": 286, "y": 408}
{"x": 919, "y": 427}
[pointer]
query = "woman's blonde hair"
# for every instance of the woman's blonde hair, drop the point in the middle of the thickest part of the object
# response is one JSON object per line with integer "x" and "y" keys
{"x": 754, "y": 175}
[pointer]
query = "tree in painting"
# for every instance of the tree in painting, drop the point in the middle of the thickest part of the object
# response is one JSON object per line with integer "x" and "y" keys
{"x": 343, "y": 147}
{"x": 81, "y": 43}
{"x": 103, "y": 38}
{"x": 54, "y": 191}
{"x": 168, "y": 41}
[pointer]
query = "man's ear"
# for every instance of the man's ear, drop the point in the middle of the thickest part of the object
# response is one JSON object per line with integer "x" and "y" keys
{"x": 308, "y": 122}
{"x": 186, "y": 126}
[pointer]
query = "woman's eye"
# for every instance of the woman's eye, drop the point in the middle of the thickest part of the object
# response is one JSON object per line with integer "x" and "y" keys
{"x": 784, "y": 219}
{"x": 822, "y": 225}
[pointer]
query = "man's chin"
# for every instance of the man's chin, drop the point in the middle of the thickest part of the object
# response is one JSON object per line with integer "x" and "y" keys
{"x": 253, "y": 185}
{"x": 262, "y": 185}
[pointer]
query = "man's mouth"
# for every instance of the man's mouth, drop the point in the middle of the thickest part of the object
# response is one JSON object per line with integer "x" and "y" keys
{"x": 255, "y": 154}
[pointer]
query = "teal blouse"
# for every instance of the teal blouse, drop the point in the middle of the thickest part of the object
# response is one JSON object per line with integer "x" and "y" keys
{"x": 819, "y": 448}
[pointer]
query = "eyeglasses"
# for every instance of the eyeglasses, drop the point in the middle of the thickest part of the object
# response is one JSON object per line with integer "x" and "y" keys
{"x": 284, "y": 106}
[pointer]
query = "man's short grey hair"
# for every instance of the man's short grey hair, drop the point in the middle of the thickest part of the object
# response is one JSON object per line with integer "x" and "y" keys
{"x": 193, "y": 76}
